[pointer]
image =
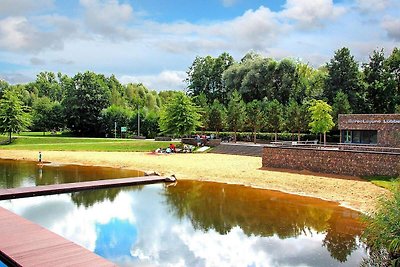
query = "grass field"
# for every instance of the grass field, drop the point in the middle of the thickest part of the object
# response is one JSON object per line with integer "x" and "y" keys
{"x": 383, "y": 181}
{"x": 36, "y": 141}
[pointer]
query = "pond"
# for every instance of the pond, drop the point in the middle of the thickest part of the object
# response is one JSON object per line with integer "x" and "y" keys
{"x": 194, "y": 223}
{"x": 15, "y": 173}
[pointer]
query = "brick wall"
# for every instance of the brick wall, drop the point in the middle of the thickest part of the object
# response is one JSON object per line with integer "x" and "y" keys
{"x": 346, "y": 162}
{"x": 387, "y": 126}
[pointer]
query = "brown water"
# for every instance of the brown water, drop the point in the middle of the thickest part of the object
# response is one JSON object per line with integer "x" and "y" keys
{"x": 15, "y": 173}
{"x": 199, "y": 224}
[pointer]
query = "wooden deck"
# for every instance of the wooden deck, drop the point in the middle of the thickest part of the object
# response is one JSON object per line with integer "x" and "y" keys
{"x": 73, "y": 187}
{"x": 24, "y": 243}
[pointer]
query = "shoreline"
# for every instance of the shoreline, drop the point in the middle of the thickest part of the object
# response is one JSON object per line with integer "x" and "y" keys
{"x": 352, "y": 193}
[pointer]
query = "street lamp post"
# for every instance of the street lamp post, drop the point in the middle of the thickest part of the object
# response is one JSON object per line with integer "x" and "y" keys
{"x": 138, "y": 121}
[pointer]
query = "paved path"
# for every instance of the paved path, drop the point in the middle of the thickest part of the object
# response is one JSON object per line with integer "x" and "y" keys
{"x": 243, "y": 149}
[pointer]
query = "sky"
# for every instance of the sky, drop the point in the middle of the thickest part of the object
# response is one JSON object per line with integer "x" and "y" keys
{"x": 154, "y": 42}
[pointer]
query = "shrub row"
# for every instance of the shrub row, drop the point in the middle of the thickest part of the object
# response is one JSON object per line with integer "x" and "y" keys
{"x": 267, "y": 137}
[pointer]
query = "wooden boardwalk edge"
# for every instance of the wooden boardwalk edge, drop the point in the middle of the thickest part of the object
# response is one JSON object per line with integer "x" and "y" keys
{"x": 22, "y": 192}
{"x": 24, "y": 243}
{"x": 34, "y": 245}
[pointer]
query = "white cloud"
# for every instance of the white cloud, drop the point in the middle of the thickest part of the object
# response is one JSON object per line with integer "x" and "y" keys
{"x": 372, "y": 5}
{"x": 20, "y": 7}
{"x": 37, "y": 61}
{"x": 252, "y": 30}
{"x": 228, "y": 3}
{"x": 255, "y": 29}
{"x": 166, "y": 80}
{"x": 311, "y": 13}
{"x": 12, "y": 32}
{"x": 108, "y": 18}
{"x": 392, "y": 27}
{"x": 22, "y": 35}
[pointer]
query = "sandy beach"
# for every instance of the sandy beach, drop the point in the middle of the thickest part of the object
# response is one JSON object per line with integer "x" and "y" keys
{"x": 350, "y": 192}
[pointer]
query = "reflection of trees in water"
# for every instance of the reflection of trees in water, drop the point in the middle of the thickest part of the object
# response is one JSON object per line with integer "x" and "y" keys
{"x": 340, "y": 239}
{"x": 91, "y": 197}
{"x": 15, "y": 174}
{"x": 264, "y": 213}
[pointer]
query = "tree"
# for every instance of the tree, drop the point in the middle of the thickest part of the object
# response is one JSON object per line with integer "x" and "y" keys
{"x": 48, "y": 85}
{"x": 257, "y": 80}
{"x": 216, "y": 117}
{"x": 87, "y": 95}
{"x": 380, "y": 85}
{"x": 296, "y": 118}
{"x": 115, "y": 114}
{"x": 3, "y": 87}
{"x": 150, "y": 127}
{"x": 179, "y": 116}
{"x": 236, "y": 113}
{"x": 201, "y": 101}
{"x": 274, "y": 116}
{"x": 205, "y": 75}
{"x": 382, "y": 230}
{"x": 255, "y": 117}
{"x": 321, "y": 119}
{"x": 285, "y": 81}
{"x": 47, "y": 115}
{"x": 340, "y": 105}
{"x": 343, "y": 75}
{"x": 13, "y": 115}
{"x": 393, "y": 64}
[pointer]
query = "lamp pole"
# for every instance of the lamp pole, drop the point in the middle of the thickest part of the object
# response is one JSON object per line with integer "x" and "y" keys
{"x": 138, "y": 121}
{"x": 115, "y": 130}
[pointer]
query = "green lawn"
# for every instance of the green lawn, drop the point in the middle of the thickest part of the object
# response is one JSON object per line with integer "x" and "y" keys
{"x": 383, "y": 181}
{"x": 50, "y": 142}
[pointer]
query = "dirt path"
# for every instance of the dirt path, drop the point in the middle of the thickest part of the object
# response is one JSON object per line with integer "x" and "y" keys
{"x": 353, "y": 193}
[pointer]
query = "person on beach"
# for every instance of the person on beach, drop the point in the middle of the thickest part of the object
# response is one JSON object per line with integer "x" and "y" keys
{"x": 40, "y": 157}
{"x": 172, "y": 147}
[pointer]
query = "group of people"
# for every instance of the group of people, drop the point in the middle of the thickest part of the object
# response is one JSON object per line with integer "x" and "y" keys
{"x": 173, "y": 149}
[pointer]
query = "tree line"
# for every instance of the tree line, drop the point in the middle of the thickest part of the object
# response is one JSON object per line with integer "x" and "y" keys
{"x": 87, "y": 104}
{"x": 372, "y": 87}
{"x": 254, "y": 94}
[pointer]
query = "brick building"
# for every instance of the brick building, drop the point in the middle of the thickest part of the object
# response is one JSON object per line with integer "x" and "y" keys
{"x": 370, "y": 129}
{"x": 370, "y": 145}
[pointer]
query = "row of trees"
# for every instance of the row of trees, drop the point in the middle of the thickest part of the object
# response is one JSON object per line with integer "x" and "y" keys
{"x": 254, "y": 94}
{"x": 88, "y": 104}
{"x": 183, "y": 116}
{"x": 372, "y": 87}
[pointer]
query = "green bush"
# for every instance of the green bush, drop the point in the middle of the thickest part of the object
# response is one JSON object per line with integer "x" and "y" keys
{"x": 382, "y": 232}
{"x": 248, "y": 136}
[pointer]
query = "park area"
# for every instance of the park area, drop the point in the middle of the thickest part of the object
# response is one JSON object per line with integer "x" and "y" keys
{"x": 233, "y": 169}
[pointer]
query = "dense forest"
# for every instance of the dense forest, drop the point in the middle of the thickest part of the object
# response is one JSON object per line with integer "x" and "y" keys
{"x": 253, "y": 94}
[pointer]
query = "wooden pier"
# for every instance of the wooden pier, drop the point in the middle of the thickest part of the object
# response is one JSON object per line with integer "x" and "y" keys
{"x": 80, "y": 186}
{"x": 24, "y": 243}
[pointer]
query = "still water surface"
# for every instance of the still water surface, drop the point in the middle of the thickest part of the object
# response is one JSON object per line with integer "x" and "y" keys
{"x": 199, "y": 224}
{"x": 15, "y": 173}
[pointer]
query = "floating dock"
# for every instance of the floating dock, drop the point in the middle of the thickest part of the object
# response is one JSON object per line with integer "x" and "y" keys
{"x": 21, "y": 192}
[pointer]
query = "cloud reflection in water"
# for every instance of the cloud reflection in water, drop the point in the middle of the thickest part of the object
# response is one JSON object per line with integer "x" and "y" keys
{"x": 201, "y": 224}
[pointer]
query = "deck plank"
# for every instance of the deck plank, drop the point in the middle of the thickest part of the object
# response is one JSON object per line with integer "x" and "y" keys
{"x": 27, "y": 244}
{"x": 21, "y": 192}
